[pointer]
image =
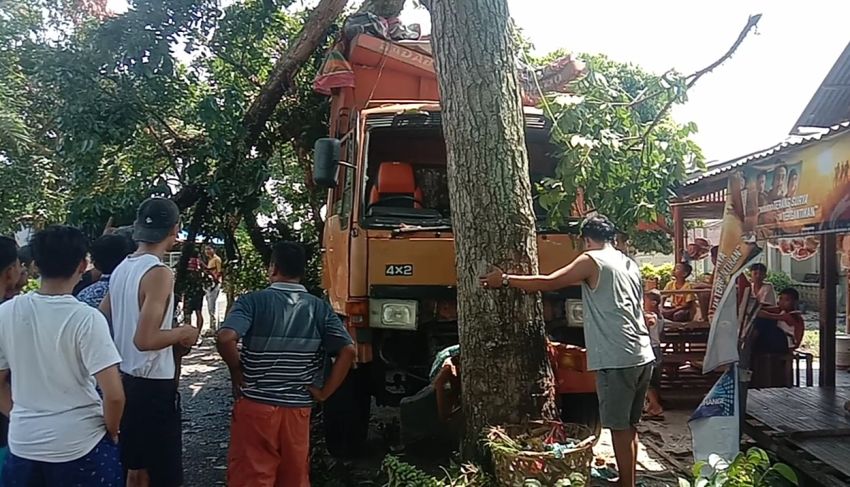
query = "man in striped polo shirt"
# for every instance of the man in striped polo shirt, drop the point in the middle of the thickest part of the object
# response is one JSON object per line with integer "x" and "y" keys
{"x": 288, "y": 336}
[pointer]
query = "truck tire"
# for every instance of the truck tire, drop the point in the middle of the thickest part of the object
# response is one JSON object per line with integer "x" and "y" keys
{"x": 346, "y": 414}
{"x": 582, "y": 409}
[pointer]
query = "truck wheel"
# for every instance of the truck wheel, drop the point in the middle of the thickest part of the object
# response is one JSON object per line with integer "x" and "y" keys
{"x": 582, "y": 409}
{"x": 346, "y": 414}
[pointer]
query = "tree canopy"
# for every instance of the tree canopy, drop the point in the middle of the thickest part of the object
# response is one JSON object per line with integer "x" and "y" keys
{"x": 99, "y": 111}
{"x": 618, "y": 148}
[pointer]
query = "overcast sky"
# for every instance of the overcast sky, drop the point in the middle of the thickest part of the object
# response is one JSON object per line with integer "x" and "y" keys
{"x": 750, "y": 102}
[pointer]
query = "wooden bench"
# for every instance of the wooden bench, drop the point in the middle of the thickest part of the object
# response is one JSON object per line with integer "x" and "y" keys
{"x": 683, "y": 347}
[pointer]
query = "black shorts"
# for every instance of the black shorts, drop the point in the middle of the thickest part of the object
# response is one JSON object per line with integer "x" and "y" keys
{"x": 151, "y": 435}
{"x": 194, "y": 303}
{"x": 655, "y": 378}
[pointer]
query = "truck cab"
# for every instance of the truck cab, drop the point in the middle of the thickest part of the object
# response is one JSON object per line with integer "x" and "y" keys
{"x": 389, "y": 260}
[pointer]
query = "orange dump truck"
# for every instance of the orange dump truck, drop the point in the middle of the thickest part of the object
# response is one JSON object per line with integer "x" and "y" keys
{"x": 389, "y": 262}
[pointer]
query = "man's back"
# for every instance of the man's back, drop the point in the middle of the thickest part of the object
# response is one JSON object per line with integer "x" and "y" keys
{"x": 124, "y": 285}
{"x": 285, "y": 334}
{"x": 53, "y": 346}
{"x": 614, "y": 328}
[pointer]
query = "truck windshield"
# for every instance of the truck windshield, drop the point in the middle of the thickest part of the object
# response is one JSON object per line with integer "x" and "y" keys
{"x": 406, "y": 179}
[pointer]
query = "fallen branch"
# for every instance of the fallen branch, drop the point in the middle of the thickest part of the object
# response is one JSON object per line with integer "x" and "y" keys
{"x": 752, "y": 22}
{"x": 315, "y": 27}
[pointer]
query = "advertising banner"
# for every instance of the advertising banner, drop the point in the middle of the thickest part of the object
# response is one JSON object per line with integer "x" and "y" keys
{"x": 736, "y": 250}
{"x": 716, "y": 422}
{"x": 802, "y": 193}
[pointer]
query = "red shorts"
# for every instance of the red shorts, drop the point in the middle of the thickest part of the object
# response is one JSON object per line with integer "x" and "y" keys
{"x": 269, "y": 446}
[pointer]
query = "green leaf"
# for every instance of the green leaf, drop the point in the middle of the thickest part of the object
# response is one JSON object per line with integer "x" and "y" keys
{"x": 758, "y": 457}
{"x": 649, "y": 272}
{"x": 786, "y": 472}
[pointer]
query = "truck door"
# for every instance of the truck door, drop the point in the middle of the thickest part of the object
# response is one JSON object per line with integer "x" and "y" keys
{"x": 338, "y": 231}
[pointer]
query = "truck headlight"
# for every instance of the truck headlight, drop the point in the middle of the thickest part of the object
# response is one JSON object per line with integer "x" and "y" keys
{"x": 575, "y": 312}
{"x": 393, "y": 313}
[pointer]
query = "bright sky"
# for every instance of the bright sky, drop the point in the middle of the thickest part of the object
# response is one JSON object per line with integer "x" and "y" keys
{"x": 749, "y": 103}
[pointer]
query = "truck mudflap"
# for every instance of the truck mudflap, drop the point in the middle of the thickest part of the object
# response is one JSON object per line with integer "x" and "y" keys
{"x": 569, "y": 364}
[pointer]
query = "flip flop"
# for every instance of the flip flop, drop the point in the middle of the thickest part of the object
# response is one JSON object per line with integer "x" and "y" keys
{"x": 604, "y": 473}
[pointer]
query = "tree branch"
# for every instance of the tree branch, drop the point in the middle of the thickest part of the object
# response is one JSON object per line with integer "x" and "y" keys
{"x": 238, "y": 67}
{"x": 172, "y": 159}
{"x": 315, "y": 27}
{"x": 752, "y": 22}
{"x": 256, "y": 233}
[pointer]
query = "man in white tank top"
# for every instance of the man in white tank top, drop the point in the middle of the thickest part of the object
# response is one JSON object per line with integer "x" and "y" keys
{"x": 616, "y": 336}
{"x": 140, "y": 306}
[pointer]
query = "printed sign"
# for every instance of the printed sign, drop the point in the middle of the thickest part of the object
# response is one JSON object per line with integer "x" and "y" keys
{"x": 804, "y": 193}
{"x": 715, "y": 423}
{"x": 736, "y": 250}
{"x": 799, "y": 248}
{"x": 399, "y": 270}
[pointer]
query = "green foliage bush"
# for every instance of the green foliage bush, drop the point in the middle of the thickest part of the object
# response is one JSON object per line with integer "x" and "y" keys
{"x": 750, "y": 469}
{"x": 779, "y": 279}
{"x": 663, "y": 273}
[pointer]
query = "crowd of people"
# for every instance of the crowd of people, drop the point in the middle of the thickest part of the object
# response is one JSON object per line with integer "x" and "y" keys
{"x": 89, "y": 361}
{"x": 89, "y": 379}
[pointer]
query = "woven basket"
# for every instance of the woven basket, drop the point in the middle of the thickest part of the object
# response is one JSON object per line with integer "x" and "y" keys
{"x": 514, "y": 467}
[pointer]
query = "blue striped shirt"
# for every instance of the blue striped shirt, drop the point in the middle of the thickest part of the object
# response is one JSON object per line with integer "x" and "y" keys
{"x": 287, "y": 337}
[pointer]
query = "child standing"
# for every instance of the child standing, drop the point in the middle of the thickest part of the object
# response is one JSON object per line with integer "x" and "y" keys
{"x": 655, "y": 323}
{"x": 56, "y": 348}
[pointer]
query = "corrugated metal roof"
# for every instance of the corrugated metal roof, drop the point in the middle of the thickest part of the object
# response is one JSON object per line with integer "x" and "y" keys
{"x": 793, "y": 143}
{"x": 831, "y": 102}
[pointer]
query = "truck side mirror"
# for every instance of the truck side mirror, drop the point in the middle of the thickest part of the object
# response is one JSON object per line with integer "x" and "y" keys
{"x": 326, "y": 162}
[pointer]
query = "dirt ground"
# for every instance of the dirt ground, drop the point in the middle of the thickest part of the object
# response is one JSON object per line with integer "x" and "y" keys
{"x": 205, "y": 389}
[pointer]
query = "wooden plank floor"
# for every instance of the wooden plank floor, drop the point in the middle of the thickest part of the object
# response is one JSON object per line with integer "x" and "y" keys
{"x": 834, "y": 452}
{"x": 799, "y": 409}
{"x": 811, "y": 419}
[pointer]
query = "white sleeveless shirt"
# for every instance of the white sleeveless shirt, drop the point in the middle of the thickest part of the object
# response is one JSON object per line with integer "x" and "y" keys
{"x": 124, "y": 286}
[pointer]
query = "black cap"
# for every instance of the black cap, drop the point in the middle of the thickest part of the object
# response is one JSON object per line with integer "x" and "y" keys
{"x": 155, "y": 220}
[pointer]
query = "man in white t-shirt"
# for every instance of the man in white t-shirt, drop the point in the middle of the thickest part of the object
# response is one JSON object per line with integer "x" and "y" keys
{"x": 56, "y": 348}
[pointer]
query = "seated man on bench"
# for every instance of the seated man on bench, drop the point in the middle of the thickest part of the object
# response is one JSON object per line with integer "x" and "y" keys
{"x": 680, "y": 307}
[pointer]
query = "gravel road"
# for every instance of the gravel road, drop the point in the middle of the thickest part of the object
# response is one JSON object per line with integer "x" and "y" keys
{"x": 205, "y": 390}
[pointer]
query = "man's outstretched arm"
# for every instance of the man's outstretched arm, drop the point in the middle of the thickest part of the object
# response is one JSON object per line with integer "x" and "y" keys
{"x": 580, "y": 270}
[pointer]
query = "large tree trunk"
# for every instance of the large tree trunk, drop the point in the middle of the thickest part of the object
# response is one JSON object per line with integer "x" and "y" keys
{"x": 506, "y": 374}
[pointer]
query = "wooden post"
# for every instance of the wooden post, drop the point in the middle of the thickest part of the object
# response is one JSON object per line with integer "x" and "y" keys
{"x": 828, "y": 309}
{"x": 678, "y": 234}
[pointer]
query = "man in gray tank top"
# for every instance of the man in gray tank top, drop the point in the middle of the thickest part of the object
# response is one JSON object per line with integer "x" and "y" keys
{"x": 616, "y": 336}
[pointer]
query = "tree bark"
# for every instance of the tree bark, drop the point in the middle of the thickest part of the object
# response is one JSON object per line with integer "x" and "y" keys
{"x": 506, "y": 375}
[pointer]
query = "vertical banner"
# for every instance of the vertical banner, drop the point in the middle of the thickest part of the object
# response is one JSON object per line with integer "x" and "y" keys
{"x": 737, "y": 248}
{"x": 716, "y": 422}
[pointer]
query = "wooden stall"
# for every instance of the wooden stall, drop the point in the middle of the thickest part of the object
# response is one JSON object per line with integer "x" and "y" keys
{"x": 683, "y": 345}
{"x": 796, "y": 193}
